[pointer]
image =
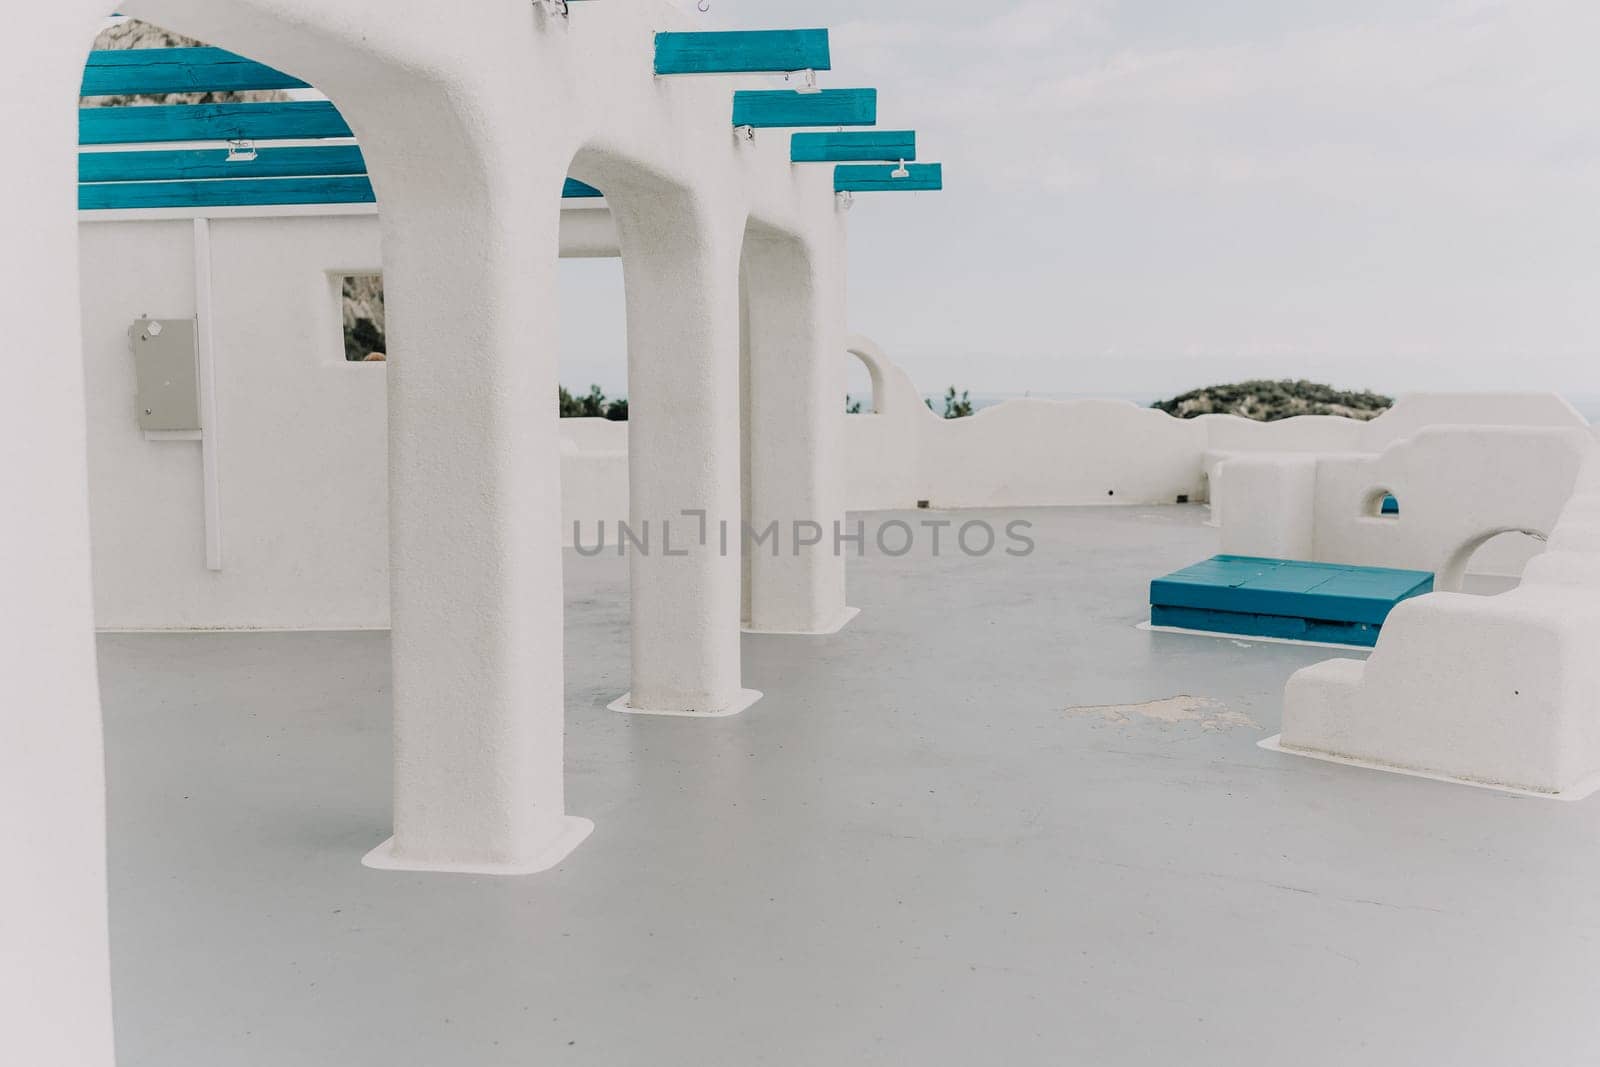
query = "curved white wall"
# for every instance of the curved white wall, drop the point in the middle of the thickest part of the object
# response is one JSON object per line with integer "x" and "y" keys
{"x": 1457, "y": 486}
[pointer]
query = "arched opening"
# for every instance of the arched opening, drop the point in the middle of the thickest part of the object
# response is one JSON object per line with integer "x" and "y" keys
{"x": 593, "y": 392}
{"x": 1490, "y": 562}
{"x": 794, "y": 385}
{"x": 1380, "y": 504}
{"x": 460, "y": 493}
{"x": 462, "y": 361}
{"x": 864, "y": 376}
{"x": 861, "y": 386}
{"x": 1496, "y": 564}
{"x": 261, "y": 277}
{"x": 681, "y": 290}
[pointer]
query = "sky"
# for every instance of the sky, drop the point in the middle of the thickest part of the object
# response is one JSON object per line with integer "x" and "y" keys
{"x": 1144, "y": 197}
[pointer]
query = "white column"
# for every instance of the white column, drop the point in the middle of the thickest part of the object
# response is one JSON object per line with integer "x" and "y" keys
{"x": 55, "y": 991}
{"x": 796, "y": 339}
{"x": 474, "y": 488}
{"x": 681, "y": 268}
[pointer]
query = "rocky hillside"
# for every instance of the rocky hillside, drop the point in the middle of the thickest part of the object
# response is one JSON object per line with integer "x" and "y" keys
{"x": 1267, "y": 401}
{"x": 364, "y": 319}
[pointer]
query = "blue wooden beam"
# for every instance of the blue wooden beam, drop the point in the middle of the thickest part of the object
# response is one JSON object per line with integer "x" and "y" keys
{"x": 244, "y": 192}
{"x": 742, "y": 52}
{"x": 863, "y": 178}
{"x": 209, "y": 122}
{"x": 858, "y": 146}
{"x": 130, "y": 192}
{"x": 177, "y": 70}
{"x": 784, "y": 107}
{"x": 295, "y": 162}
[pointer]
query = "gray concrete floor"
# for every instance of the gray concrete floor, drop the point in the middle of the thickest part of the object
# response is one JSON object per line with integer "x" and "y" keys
{"x": 909, "y": 852}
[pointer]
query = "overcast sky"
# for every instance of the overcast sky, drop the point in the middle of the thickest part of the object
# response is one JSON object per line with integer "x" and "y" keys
{"x": 1142, "y": 197}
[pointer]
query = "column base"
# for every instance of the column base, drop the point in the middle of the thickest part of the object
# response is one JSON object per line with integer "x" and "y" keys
{"x": 570, "y": 833}
{"x": 742, "y": 700}
{"x": 844, "y": 618}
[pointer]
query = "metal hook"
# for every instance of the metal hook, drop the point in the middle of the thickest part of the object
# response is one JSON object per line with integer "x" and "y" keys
{"x": 901, "y": 171}
{"x": 845, "y": 199}
{"x": 241, "y": 150}
{"x": 748, "y": 131}
{"x": 554, "y": 7}
{"x": 704, "y": 6}
{"x": 808, "y": 81}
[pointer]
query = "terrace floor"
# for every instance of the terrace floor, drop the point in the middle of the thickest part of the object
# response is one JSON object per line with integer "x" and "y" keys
{"x": 916, "y": 849}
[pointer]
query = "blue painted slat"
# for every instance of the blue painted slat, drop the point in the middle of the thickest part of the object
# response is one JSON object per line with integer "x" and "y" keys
{"x": 576, "y": 190}
{"x": 742, "y": 52}
{"x": 209, "y": 122}
{"x": 784, "y": 107}
{"x": 1289, "y": 588}
{"x": 854, "y": 146}
{"x": 238, "y": 193}
{"x": 1281, "y": 626}
{"x": 178, "y": 70}
{"x": 294, "y": 162}
{"x": 879, "y": 178}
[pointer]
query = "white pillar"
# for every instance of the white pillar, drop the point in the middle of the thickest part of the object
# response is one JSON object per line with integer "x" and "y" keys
{"x": 680, "y": 264}
{"x": 796, "y": 368}
{"x": 474, "y": 489}
{"x": 55, "y": 985}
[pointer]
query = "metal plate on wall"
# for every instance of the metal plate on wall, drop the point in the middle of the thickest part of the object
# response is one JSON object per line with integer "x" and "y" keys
{"x": 164, "y": 360}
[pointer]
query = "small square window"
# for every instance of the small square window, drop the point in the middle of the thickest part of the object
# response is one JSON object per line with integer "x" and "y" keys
{"x": 361, "y": 297}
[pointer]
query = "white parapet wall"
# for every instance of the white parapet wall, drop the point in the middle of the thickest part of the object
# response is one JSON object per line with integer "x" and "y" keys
{"x": 1496, "y": 691}
{"x": 1457, "y": 488}
{"x": 594, "y": 481}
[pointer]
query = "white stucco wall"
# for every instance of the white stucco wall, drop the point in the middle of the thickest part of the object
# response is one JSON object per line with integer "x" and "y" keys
{"x": 594, "y": 479}
{"x": 1497, "y": 691}
{"x": 1457, "y": 486}
{"x": 300, "y": 432}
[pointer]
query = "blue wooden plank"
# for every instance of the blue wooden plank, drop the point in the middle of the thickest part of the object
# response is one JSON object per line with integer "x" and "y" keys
{"x": 1279, "y": 626}
{"x": 241, "y": 192}
{"x": 209, "y": 122}
{"x": 854, "y": 146}
{"x": 1302, "y": 589}
{"x": 879, "y": 178}
{"x": 742, "y": 52}
{"x": 785, "y": 107}
{"x": 178, "y": 165}
{"x": 178, "y": 70}
{"x": 576, "y": 190}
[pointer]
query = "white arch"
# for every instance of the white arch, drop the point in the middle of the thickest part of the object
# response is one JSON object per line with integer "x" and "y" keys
{"x": 868, "y": 352}
{"x": 1452, "y": 576}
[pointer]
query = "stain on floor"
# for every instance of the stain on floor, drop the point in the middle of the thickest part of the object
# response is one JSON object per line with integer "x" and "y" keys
{"x": 1205, "y": 712}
